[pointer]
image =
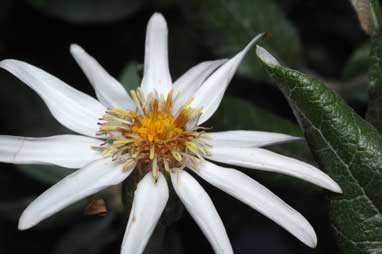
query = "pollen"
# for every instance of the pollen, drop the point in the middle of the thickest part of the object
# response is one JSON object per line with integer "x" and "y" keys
{"x": 153, "y": 136}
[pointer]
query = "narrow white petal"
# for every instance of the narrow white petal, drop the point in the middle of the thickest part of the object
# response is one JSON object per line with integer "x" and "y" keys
{"x": 210, "y": 94}
{"x": 70, "y": 151}
{"x": 108, "y": 90}
{"x": 150, "y": 199}
{"x": 96, "y": 176}
{"x": 186, "y": 86}
{"x": 72, "y": 108}
{"x": 242, "y": 138}
{"x": 201, "y": 208}
{"x": 252, "y": 193}
{"x": 258, "y": 158}
{"x": 266, "y": 56}
{"x": 156, "y": 75}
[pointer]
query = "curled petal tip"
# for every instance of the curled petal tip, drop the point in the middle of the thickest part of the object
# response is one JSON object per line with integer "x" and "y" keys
{"x": 295, "y": 138}
{"x": 158, "y": 18}
{"x": 331, "y": 185}
{"x": 309, "y": 237}
{"x": 24, "y": 222}
{"x": 313, "y": 243}
{"x": 75, "y": 47}
{"x": 265, "y": 56}
{"x": 4, "y": 63}
{"x": 337, "y": 189}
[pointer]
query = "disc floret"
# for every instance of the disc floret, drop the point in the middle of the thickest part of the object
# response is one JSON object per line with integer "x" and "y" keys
{"x": 153, "y": 137}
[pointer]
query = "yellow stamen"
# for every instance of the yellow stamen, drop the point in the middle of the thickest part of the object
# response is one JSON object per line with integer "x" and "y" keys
{"x": 155, "y": 169}
{"x": 153, "y": 138}
{"x": 152, "y": 151}
{"x": 166, "y": 166}
{"x": 137, "y": 101}
{"x": 177, "y": 156}
{"x": 168, "y": 102}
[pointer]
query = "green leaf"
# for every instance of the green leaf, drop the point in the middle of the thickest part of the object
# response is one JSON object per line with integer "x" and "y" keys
{"x": 228, "y": 25}
{"x": 237, "y": 114}
{"x": 130, "y": 77}
{"x": 348, "y": 148}
{"x": 88, "y": 11}
{"x": 374, "y": 111}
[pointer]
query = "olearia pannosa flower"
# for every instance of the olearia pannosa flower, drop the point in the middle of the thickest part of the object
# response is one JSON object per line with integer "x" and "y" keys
{"x": 154, "y": 130}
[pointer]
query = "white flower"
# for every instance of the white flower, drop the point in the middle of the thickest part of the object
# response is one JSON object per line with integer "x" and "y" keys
{"x": 155, "y": 131}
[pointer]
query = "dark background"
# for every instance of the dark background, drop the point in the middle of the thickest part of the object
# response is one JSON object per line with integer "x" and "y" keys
{"x": 328, "y": 32}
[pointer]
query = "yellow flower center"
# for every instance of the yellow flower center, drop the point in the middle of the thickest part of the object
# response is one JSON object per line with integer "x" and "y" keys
{"x": 153, "y": 137}
{"x": 157, "y": 126}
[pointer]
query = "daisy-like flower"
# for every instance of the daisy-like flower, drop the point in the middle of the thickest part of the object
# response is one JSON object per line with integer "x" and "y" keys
{"x": 156, "y": 131}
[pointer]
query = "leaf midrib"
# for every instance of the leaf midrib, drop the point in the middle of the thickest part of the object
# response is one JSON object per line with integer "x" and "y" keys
{"x": 341, "y": 160}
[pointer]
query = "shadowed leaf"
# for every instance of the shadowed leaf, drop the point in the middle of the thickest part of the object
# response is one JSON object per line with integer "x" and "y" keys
{"x": 349, "y": 149}
{"x": 374, "y": 111}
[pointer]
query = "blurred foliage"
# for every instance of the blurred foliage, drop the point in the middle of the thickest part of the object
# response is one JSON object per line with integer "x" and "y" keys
{"x": 349, "y": 149}
{"x": 228, "y": 25}
{"x": 45, "y": 173}
{"x": 88, "y": 237}
{"x": 11, "y": 210}
{"x": 87, "y": 11}
{"x": 28, "y": 110}
{"x": 24, "y": 109}
{"x": 130, "y": 77}
{"x": 357, "y": 65}
{"x": 314, "y": 35}
{"x": 237, "y": 114}
{"x": 354, "y": 81}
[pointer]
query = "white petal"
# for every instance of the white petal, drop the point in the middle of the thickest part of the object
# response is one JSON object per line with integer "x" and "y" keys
{"x": 70, "y": 151}
{"x": 210, "y": 94}
{"x": 258, "y": 158}
{"x": 250, "y": 192}
{"x": 241, "y": 138}
{"x": 150, "y": 199}
{"x": 201, "y": 208}
{"x": 96, "y": 176}
{"x": 156, "y": 75}
{"x": 186, "y": 86}
{"x": 108, "y": 90}
{"x": 72, "y": 108}
{"x": 265, "y": 56}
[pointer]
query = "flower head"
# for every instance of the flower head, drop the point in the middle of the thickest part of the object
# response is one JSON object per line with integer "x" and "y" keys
{"x": 152, "y": 137}
{"x": 155, "y": 130}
